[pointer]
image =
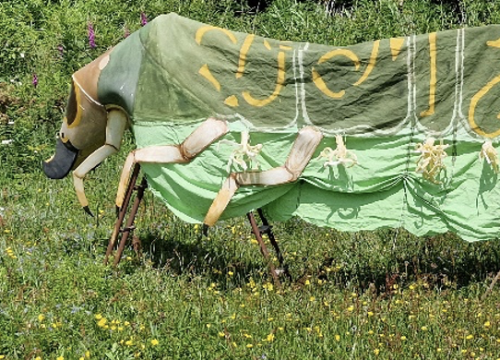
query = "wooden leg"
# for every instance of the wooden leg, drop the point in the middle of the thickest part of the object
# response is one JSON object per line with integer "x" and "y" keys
{"x": 129, "y": 227}
{"x": 266, "y": 228}
{"x": 122, "y": 212}
{"x": 263, "y": 249}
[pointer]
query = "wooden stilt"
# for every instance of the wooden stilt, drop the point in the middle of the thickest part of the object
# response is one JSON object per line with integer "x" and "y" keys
{"x": 263, "y": 249}
{"x": 130, "y": 222}
{"x": 267, "y": 229}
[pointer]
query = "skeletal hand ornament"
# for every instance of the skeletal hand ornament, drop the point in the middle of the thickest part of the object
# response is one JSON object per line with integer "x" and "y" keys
{"x": 245, "y": 155}
{"x": 339, "y": 156}
{"x": 430, "y": 163}
{"x": 489, "y": 153}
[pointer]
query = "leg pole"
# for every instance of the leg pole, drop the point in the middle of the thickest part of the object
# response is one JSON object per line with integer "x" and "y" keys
{"x": 263, "y": 249}
{"x": 122, "y": 212}
{"x": 268, "y": 229}
{"x": 130, "y": 222}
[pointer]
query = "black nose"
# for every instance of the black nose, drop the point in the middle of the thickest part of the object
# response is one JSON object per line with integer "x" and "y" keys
{"x": 62, "y": 162}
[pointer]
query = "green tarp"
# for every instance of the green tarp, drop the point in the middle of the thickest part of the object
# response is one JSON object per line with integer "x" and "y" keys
{"x": 383, "y": 97}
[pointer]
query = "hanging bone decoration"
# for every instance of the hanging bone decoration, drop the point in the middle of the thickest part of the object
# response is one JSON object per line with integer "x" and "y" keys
{"x": 188, "y": 91}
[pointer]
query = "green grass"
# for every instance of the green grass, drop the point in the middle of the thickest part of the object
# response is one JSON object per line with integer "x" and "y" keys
{"x": 363, "y": 295}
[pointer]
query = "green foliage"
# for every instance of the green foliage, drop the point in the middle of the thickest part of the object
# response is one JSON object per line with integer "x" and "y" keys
{"x": 361, "y": 295}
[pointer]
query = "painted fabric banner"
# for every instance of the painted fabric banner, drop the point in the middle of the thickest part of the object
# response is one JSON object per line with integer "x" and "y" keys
{"x": 386, "y": 98}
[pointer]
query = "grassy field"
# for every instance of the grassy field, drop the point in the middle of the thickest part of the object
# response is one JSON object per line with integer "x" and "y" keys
{"x": 363, "y": 295}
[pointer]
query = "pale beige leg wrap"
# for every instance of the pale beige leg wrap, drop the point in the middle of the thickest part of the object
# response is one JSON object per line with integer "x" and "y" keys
{"x": 117, "y": 122}
{"x": 204, "y": 135}
{"x": 302, "y": 151}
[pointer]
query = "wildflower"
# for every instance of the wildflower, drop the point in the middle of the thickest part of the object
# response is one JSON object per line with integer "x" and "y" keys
{"x": 129, "y": 342}
{"x": 270, "y": 337}
{"x": 35, "y": 80}
{"x": 470, "y": 337}
{"x": 403, "y": 338}
{"x": 144, "y": 19}
{"x": 350, "y": 308}
{"x": 102, "y": 322}
{"x": 154, "y": 342}
{"x": 268, "y": 286}
{"x": 424, "y": 328}
{"x": 98, "y": 316}
{"x": 41, "y": 317}
{"x": 376, "y": 351}
{"x": 91, "y": 35}
{"x": 230, "y": 273}
{"x": 221, "y": 334}
{"x": 337, "y": 337}
{"x": 370, "y": 313}
{"x": 60, "y": 358}
{"x": 487, "y": 324}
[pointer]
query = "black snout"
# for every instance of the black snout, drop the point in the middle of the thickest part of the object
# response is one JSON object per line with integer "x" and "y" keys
{"x": 62, "y": 162}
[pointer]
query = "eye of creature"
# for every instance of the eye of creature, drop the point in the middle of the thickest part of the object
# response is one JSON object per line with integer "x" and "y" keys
{"x": 72, "y": 107}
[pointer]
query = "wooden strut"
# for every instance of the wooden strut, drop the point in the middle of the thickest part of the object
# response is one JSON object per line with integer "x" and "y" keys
{"x": 129, "y": 227}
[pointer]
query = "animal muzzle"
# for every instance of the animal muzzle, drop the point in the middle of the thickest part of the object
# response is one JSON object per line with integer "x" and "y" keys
{"x": 62, "y": 162}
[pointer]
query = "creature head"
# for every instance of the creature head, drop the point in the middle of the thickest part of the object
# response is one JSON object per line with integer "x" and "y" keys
{"x": 84, "y": 126}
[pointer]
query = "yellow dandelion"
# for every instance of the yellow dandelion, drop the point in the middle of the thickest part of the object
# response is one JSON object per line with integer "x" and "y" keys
{"x": 249, "y": 346}
{"x": 370, "y": 313}
{"x": 87, "y": 354}
{"x": 308, "y": 282}
{"x": 312, "y": 299}
{"x": 60, "y": 358}
{"x": 403, "y": 338}
{"x": 98, "y": 316}
{"x": 129, "y": 342}
{"x": 487, "y": 324}
{"x": 270, "y": 337}
{"x": 230, "y": 273}
{"x": 337, "y": 337}
{"x": 424, "y": 328}
{"x": 350, "y": 308}
{"x": 102, "y": 322}
{"x": 376, "y": 351}
{"x": 221, "y": 334}
{"x": 41, "y": 317}
{"x": 154, "y": 342}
